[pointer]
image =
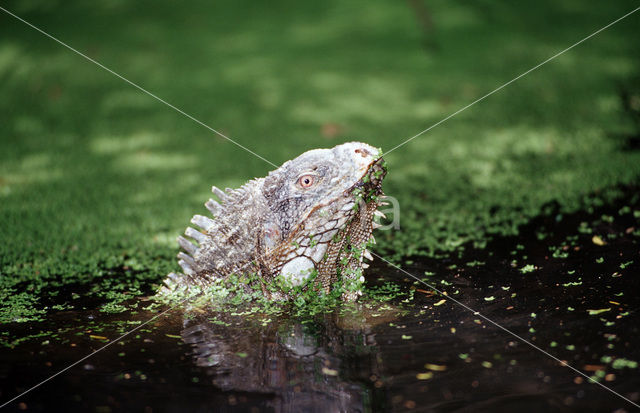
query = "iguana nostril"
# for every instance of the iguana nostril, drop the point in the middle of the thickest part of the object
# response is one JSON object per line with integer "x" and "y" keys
{"x": 363, "y": 152}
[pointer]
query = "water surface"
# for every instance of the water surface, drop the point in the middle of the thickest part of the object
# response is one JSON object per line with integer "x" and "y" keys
{"x": 567, "y": 284}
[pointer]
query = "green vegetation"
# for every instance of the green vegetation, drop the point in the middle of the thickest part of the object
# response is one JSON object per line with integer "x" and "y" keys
{"x": 244, "y": 296}
{"x": 97, "y": 179}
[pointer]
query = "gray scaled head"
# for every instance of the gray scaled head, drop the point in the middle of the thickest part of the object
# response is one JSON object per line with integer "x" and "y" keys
{"x": 317, "y": 201}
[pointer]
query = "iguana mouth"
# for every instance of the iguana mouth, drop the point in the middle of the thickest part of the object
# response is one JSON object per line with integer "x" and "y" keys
{"x": 371, "y": 182}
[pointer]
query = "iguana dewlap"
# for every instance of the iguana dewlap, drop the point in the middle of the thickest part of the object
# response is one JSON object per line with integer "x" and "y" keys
{"x": 311, "y": 216}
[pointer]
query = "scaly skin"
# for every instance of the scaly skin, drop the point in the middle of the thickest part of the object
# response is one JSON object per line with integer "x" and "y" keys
{"x": 313, "y": 214}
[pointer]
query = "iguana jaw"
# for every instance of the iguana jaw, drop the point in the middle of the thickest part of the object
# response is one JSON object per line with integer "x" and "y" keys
{"x": 370, "y": 184}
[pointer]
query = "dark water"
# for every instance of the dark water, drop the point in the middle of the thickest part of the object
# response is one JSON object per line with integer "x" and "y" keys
{"x": 555, "y": 285}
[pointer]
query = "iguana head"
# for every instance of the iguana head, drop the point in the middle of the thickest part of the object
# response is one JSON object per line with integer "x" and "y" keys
{"x": 322, "y": 205}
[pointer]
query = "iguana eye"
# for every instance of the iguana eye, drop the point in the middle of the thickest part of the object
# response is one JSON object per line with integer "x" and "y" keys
{"x": 305, "y": 181}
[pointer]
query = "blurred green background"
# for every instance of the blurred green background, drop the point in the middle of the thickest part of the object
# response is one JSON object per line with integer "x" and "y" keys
{"x": 97, "y": 179}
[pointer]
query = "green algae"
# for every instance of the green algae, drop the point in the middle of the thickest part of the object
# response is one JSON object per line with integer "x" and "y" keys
{"x": 243, "y": 296}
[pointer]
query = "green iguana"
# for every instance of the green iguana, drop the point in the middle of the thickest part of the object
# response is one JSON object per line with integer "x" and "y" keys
{"x": 311, "y": 218}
